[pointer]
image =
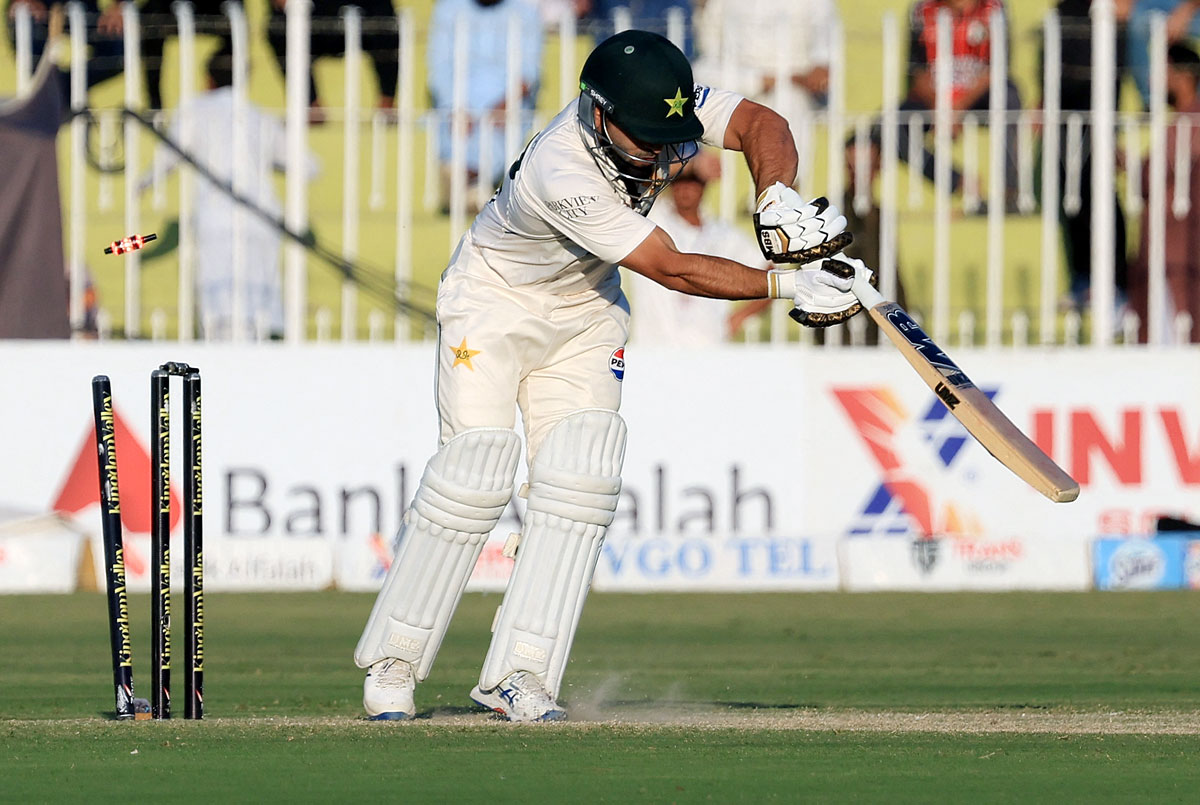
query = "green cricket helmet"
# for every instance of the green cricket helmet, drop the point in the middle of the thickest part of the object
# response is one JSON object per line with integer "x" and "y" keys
{"x": 642, "y": 83}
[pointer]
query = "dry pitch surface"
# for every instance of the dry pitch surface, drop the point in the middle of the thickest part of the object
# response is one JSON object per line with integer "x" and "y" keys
{"x": 950, "y": 723}
{"x": 634, "y": 720}
{"x": 809, "y": 720}
{"x": 1111, "y": 723}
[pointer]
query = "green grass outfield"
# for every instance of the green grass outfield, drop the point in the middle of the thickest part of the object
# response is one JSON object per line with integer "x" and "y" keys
{"x": 1078, "y": 697}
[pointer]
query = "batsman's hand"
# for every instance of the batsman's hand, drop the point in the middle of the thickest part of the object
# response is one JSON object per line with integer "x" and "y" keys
{"x": 824, "y": 295}
{"x": 864, "y": 283}
{"x": 791, "y": 230}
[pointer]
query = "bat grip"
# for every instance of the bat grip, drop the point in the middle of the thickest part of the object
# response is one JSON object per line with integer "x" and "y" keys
{"x": 866, "y": 294}
{"x": 862, "y": 288}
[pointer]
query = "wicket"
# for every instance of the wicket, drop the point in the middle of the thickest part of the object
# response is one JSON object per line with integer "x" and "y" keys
{"x": 160, "y": 538}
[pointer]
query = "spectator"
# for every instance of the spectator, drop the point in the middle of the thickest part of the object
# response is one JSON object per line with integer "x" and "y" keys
{"x": 596, "y": 17}
{"x": 328, "y": 38}
{"x": 204, "y": 129}
{"x": 1182, "y": 234}
{"x": 103, "y": 36}
{"x": 1182, "y": 23}
{"x": 487, "y": 63}
{"x": 158, "y": 22}
{"x": 662, "y": 317}
{"x": 971, "y": 55}
{"x": 1076, "y": 96}
{"x": 552, "y": 10}
{"x": 763, "y": 39}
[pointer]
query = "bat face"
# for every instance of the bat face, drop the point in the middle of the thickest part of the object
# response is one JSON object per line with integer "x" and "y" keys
{"x": 928, "y": 350}
{"x": 970, "y": 406}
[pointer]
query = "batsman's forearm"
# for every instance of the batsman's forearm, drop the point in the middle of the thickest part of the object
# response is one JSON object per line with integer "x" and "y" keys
{"x": 715, "y": 277}
{"x": 771, "y": 154}
{"x": 766, "y": 140}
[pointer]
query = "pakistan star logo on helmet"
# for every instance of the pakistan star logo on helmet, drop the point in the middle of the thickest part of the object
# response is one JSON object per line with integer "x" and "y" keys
{"x": 676, "y": 104}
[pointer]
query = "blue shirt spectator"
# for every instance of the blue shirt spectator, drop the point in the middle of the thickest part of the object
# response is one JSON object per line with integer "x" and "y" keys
{"x": 647, "y": 15}
{"x": 1183, "y": 23}
{"x": 487, "y": 65}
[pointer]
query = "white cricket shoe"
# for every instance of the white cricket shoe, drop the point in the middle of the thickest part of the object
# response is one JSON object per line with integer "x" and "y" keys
{"x": 388, "y": 691}
{"x": 520, "y": 697}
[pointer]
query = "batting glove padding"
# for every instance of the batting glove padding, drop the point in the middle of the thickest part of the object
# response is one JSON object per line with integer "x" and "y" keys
{"x": 791, "y": 230}
{"x": 823, "y": 296}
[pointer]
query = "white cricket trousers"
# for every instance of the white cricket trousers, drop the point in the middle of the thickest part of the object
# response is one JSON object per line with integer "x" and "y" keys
{"x": 551, "y": 354}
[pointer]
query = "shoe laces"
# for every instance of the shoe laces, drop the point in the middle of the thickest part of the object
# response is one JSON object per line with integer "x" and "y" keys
{"x": 528, "y": 689}
{"x": 395, "y": 674}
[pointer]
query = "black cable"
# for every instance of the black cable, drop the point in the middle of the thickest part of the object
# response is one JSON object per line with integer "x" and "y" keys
{"x": 368, "y": 280}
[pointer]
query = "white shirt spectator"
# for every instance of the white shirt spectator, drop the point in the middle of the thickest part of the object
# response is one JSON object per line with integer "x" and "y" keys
{"x": 204, "y": 129}
{"x": 662, "y": 317}
{"x": 765, "y": 39}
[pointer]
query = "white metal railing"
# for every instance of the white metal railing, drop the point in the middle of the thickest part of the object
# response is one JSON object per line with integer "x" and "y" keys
{"x": 406, "y": 121}
{"x": 133, "y": 82}
{"x": 997, "y": 198}
{"x": 889, "y": 158}
{"x": 1104, "y": 79}
{"x": 187, "y": 240}
{"x": 352, "y": 16}
{"x": 1157, "y": 219}
{"x": 23, "y": 24}
{"x": 296, "y": 205}
{"x": 1051, "y": 100}
{"x": 1059, "y": 135}
{"x": 240, "y": 49}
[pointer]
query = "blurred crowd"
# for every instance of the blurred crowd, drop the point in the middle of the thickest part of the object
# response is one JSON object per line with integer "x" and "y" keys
{"x": 777, "y": 52}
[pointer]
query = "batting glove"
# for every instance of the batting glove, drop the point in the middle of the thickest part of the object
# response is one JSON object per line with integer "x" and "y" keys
{"x": 791, "y": 230}
{"x": 822, "y": 296}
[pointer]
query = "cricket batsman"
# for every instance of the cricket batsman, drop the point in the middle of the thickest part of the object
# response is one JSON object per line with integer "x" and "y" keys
{"x": 531, "y": 312}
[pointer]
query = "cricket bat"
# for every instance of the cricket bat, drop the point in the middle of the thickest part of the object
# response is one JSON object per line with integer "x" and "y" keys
{"x": 970, "y": 406}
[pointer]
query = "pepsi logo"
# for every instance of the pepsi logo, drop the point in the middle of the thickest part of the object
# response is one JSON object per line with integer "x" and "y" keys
{"x": 616, "y": 363}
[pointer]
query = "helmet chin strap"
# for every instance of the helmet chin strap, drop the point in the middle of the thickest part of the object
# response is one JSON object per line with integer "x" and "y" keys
{"x": 642, "y": 179}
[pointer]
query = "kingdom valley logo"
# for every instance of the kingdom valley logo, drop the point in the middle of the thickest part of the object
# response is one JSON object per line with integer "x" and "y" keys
{"x": 911, "y": 455}
{"x": 81, "y": 489}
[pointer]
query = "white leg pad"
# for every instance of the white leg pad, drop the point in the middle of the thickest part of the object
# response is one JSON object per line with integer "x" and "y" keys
{"x": 465, "y": 488}
{"x": 574, "y": 484}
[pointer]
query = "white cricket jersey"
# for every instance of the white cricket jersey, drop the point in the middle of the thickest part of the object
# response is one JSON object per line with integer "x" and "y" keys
{"x": 557, "y": 224}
